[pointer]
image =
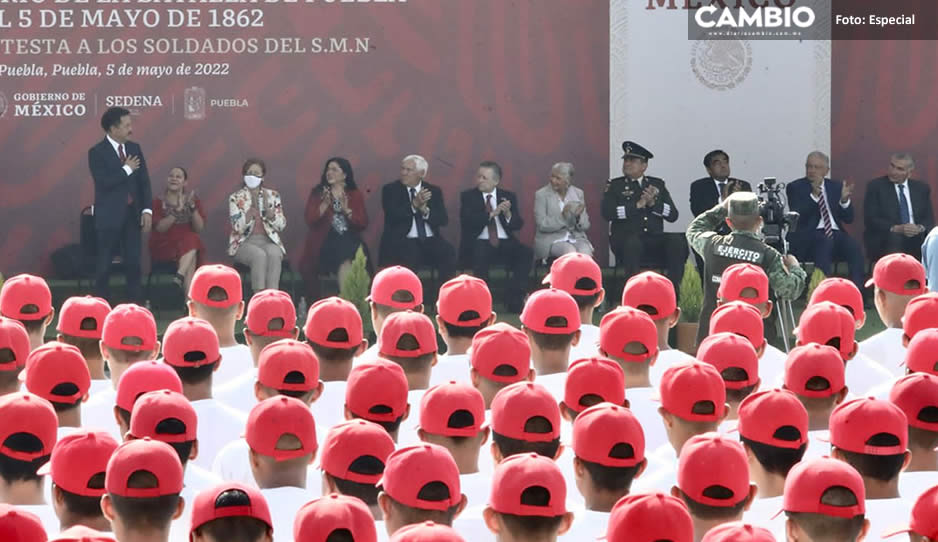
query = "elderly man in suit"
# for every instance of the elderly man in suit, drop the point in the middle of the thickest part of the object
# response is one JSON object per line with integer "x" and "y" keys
{"x": 491, "y": 219}
{"x": 561, "y": 217}
{"x": 122, "y": 197}
{"x": 824, "y": 206}
{"x": 897, "y": 210}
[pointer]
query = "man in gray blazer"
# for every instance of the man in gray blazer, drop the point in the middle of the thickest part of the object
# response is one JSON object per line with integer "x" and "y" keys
{"x": 560, "y": 216}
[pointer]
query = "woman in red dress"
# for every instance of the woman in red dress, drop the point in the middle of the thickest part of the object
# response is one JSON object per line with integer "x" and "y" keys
{"x": 177, "y": 221}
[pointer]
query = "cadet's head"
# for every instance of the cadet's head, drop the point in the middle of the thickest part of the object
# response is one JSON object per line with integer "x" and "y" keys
{"x": 377, "y": 392}
{"x": 825, "y": 501}
{"x": 281, "y": 433}
{"x": 609, "y": 449}
{"x": 14, "y": 350}
{"x": 215, "y": 296}
{"x": 394, "y": 289}
{"x": 747, "y": 283}
{"x": 230, "y": 512}
{"x": 650, "y": 516}
{"x": 191, "y": 348}
{"x": 464, "y": 307}
{"x": 271, "y": 316}
{"x": 738, "y": 531}
{"x": 28, "y": 428}
{"x": 872, "y": 436}
{"x": 500, "y": 355}
{"x": 917, "y": 396}
{"x": 528, "y": 500}
{"x": 166, "y": 416}
{"x": 19, "y": 525}
{"x": 525, "y": 418}
{"x": 288, "y": 367}
{"x": 923, "y": 522}
{"x": 742, "y": 319}
{"x": 773, "y": 427}
{"x": 353, "y": 457}
{"x": 742, "y": 212}
{"x": 693, "y": 401}
{"x": 920, "y": 314}
{"x": 452, "y": 415}
{"x": 843, "y": 292}
{"x": 408, "y": 339}
{"x": 334, "y": 330}
{"x": 629, "y": 336}
{"x": 898, "y": 279}
{"x": 815, "y": 373}
{"x": 829, "y": 324}
{"x": 713, "y": 478}
{"x": 128, "y": 336}
{"x": 27, "y": 298}
{"x": 551, "y": 319}
{"x": 141, "y": 378}
{"x": 653, "y": 294}
{"x": 427, "y": 530}
{"x": 56, "y": 372}
{"x": 81, "y": 320}
{"x": 920, "y": 354}
{"x": 580, "y": 276}
{"x": 737, "y": 362}
{"x": 77, "y": 467}
{"x": 334, "y": 518}
{"x": 591, "y": 381}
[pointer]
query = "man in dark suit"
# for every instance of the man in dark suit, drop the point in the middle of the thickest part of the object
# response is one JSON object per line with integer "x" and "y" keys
{"x": 708, "y": 191}
{"x": 897, "y": 211}
{"x": 122, "y": 197}
{"x": 824, "y": 207}
{"x": 637, "y": 206}
{"x": 414, "y": 212}
{"x": 490, "y": 219}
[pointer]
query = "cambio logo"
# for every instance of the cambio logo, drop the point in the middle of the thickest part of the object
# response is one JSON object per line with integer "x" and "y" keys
{"x": 768, "y": 17}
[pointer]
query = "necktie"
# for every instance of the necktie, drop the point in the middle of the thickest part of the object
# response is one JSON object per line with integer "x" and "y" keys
{"x": 123, "y": 157}
{"x": 722, "y": 187}
{"x": 825, "y": 214}
{"x": 418, "y": 217}
{"x": 904, "y": 217}
{"x": 493, "y": 229}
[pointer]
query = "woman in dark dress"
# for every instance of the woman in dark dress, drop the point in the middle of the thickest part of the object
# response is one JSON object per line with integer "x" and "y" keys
{"x": 177, "y": 221}
{"x": 336, "y": 216}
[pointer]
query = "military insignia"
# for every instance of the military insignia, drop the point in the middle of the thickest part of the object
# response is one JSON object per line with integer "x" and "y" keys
{"x": 628, "y": 149}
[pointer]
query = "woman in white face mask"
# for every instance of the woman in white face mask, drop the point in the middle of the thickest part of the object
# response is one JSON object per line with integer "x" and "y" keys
{"x": 257, "y": 219}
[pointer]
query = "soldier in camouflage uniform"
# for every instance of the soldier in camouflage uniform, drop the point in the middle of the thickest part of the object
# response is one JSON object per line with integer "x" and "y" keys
{"x": 744, "y": 244}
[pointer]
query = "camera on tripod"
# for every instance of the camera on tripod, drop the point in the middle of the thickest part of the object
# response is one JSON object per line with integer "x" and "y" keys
{"x": 776, "y": 218}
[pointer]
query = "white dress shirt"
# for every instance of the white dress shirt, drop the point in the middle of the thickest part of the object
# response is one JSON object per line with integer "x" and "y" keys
{"x": 817, "y": 199}
{"x": 903, "y": 187}
{"x": 412, "y": 234}
{"x": 498, "y": 223}
{"x": 127, "y": 169}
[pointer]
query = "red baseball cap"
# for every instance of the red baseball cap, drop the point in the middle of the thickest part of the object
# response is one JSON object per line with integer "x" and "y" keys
{"x": 153, "y": 456}
{"x": 319, "y": 518}
{"x": 80, "y": 533}
{"x": 730, "y": 351}
{"x": 377, "y": 391}
{"x": 461, "y": 294}
{"x": 216, "y": 276}
{"x": 685, "y": 384}
{"x": 129, "y": 321}
{"x": 409, "y": 469}
{"x": 280, "y": 359}
{"x": 839, "y": 291}
{"x": 25, "y": 297}
{"x": 155, "y": 407}
{"x": 504, "y": 346}
{"x": 23, "y": 412}
{"x": 922, "y": 354}
{"x": 774, "y": 417}
{"x": 647, "y": 517}
{"x": 921, "y": 313}
{"x": 649, "y": 289}
{"x": 740, "y": 318}
{"x": 275, "y": 417}
{"x": 18, "y": 525}
{"x": 811, "y": 361}
{"x": 519, "y": 473}
{"x": 738, "y": 531}
{"x": 399, "y": 324}
{"x": 824, "y": 321}
{"x": 441, "y": 402}
{"x": 742, "y": 276}
{"x": 13, "y": 336}
{"x": 914, "y": 393}
{"x": 392, "y": 280}
{"x": 922, "y": 519}
{"x": 569, "y": 268}
{"x": 605, "y": 433}
{"x": 426, "y": 532}
{"x": 205, "y": 506}
{"x": 514, "y": 405}
{"x": 712, "y": 459}
{"x": 624, "y": 326}
{"x": 76, "y": 310}
{"x": 551, "y": 311}
{"x": 56, "y": 363}
{"x": 331, "y": 314}
{"x": 809, "y": 479}
{"x": 77, "y": 458}
{"x": 190, "y": 342}
{"x": 854, "y": 423}
{"x": 593, "y": 376}
{"x": 893, "y": 271}
{"x": 350, "y": 441}
{"x": 268, "y": 306}
{"x": 142, "y": 377}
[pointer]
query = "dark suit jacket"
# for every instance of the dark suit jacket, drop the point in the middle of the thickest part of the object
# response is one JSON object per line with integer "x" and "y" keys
{"x": 881, "y": 207}
{"x": 799, "y": 200}
{"x": 704, "y": 194}
{"x": 625, "y": 192}
{"x": 474, "y": 217}
{"x": 398, "y": 214}
{"x": 112, "y": 184}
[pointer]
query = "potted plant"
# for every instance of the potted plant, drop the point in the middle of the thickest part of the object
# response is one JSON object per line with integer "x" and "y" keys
{"x": 355, "y": 289}
{"x": 817, "y": 276}
{"x": 690, "y": 301}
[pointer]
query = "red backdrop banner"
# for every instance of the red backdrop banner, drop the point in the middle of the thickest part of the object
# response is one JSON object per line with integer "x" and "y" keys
{"x": 523, "y": 82}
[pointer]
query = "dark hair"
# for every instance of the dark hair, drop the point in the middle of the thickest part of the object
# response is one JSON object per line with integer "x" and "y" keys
{"x": 878, "y": 467}
{"x": 124, "y": 414}
{"x": 346, "y": 168}
{"x": 195, "y": 375}
{"x": 367, "y": 493}
{"x": 493, "y": 165}
{"x": 390, "y": 427}
{"x": 253, "y": 161}
{"x": 924, "y": 438}
{"x": 16, "y": 470}
{"x": 327, "y": 354}
{"x": 464, "y": 332}
{"x": 400, "y": 296}
{"x": 824, "y": 528}
{"x": 234, "y": 528}
{"x": 65, "y": 389}
{"x": 552, "y": 341}
{"x": 175, "y": 426}
{"x": 112, "y": 117}
{"x": 613, "y": 479}
{"x": 33, "y": 326}
{"x": 82, "y": 506}
{"x": 708, "y": 158}
{"x": 532, "y": 527}
{"x": 89, "y": 348}
{"x": 434, "y": 491}
{"x": 776, "y": 460}
{"x": 185, "y": 174}
{"x": 536, "y": 424}
{"x": 149, "y": 513}
{"x": 709, "y": 512}
{"x": 736, "y": 374}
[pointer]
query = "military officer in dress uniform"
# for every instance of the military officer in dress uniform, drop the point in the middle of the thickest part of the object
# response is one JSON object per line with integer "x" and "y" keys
{"x": 637, "y": 206}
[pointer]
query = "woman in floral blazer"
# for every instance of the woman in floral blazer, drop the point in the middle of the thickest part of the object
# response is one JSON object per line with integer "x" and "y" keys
{"x": 249, "y": 208}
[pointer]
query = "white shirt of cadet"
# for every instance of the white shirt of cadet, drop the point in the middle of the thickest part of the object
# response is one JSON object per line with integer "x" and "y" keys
{"x": 98, "y": 385}
{"x": 762, "y": 511}
{"x": 588, "y": 347}
{"x": 913, "y": 484}
{"x": 666, "y": 359}
{"x": 476, "y": 487}
{"x": 370, "y": 354}
{"x": 238, "y": 393}
{"x": 407, "y": 434}
{"x": 554, "y": 383}
{"x": 772, "y": 365}
{"x": 448, "y": 367}
{"x": 46, "y": 515}
{"x": 818, "y": 444}
{"x": 329, "y": 409}
{"x": 661, "y": 472}
{"x": 219, "y": 424}
{"x": 235, "y": 361}
{"x": 233, "y": 464}
{"x": 498, "y": 223}
{"x": 473, "y": 529}
{"x": 862, "y": 375}
{"x": 646, "y": 410}
{"x": 887, "y": 515}
{"x": 98, "y": 413}
{"x": 587, "y": 525}
{"x": 885, "y": 348}
{"x": 412, "y": 234}
{"x": 284, "y": 502}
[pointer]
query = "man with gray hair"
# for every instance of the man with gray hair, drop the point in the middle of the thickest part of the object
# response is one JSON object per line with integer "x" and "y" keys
{"x": 414, "y": 213}
{"x": 744, "y": 244}
{"x": 897, "y": 211}
{"x": 824, "y": 206}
